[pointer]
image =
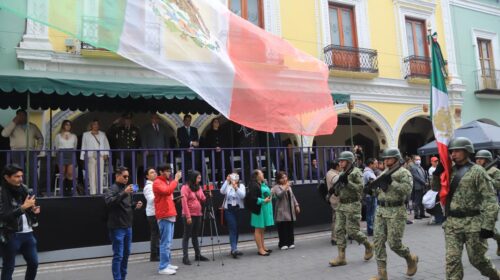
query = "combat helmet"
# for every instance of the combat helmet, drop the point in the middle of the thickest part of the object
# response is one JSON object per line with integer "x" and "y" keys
{"x": 461, "y": 143}
{"x": 346, "y": 155}
{"x": 484, "y": 154}
{"x": 391, "y": 153}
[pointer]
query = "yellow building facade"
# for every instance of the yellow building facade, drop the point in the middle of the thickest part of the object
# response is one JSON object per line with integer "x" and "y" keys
{"x": 375, "y": 49}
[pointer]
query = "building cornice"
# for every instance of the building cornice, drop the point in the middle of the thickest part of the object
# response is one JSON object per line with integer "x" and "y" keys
{"x": 477, "y": 6}
{"x": 391, "y": 91}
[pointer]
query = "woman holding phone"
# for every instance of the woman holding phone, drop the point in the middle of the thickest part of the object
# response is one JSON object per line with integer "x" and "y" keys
{"x": 151, "y": 175}
{"x": 287, "y": 208}
{"x": 233, "y": 204}
{"x": 192, "y": 198}
{"x": 259, "y": 202}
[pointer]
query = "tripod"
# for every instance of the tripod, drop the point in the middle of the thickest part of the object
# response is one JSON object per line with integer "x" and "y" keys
{"x": 209, "y": 214}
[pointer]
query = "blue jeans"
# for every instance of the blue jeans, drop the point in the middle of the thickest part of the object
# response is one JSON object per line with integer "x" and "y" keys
{"x": 232, "y": 216}
{"x": 121, "y": 241}
{"x": 25, "y": 243}
{"x": 371, "y": 205}
{"x": 166, "y": 237}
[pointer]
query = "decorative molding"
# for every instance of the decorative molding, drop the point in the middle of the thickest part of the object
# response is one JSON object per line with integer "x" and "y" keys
{"x": 389, "y": 91}
{"x": 450, "y": 43}
{"x": 272, "y": 17}
{"x": 477, "y": 6}
{"x": 361, "y": 17}
{"x": 419, "y": 9}
{"x": 37, "y": 34}
{"x": 404, "y": 118}
{"x": 487, "y": 35}
{"x": 378, "y": 121}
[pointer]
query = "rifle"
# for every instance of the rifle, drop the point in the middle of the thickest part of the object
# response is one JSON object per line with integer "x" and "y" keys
{"x": 493, "y": 163}
{"x": 340, "y": 185}
{"x": 381, "y": 181}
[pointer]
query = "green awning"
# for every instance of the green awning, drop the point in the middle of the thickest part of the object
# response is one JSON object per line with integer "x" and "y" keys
{"x": 52, "y": 92}
{"x": 339, "y": 98}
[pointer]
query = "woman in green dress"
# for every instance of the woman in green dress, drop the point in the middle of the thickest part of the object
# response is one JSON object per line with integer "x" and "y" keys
{"x": 258, "y": 200}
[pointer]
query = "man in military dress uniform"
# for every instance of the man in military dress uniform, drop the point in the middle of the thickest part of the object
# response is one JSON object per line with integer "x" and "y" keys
{"x": 124, "y": 135}
{"x": 483, "y": 158}
{"x": 349, "y": 189}
{"x": 471, "y": 210}
{"x": 390, "y": 216}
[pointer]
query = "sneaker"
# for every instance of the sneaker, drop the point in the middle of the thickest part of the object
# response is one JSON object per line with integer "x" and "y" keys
{"x": 291, "y": 246}
{"x": 167, "y": 271}
{"x": 284, "y": 247}
{"x": 173, "y": 267}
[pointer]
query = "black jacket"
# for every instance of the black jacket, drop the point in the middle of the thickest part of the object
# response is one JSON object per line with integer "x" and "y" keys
{"x": 184, "y": 138}
{"x": 253, "y": 194}
{"x": 10, "y": 208}
{"x": 120, "y": 207}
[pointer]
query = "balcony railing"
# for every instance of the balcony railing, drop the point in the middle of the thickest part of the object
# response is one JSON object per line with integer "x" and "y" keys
{"x": 417, "y": 67}
{"x": 351, "y": 59}
{"x": 93, "y": 177}
{"x": 487, "y": 82}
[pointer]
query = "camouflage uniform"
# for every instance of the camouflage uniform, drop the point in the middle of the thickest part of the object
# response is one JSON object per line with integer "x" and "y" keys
{"x": 390, "y": 221}
{"x": 348, "y": 216}
{"x": 348, "y": 210}
{"x": 494, "y": 174}
{"x": 474, "y": 194}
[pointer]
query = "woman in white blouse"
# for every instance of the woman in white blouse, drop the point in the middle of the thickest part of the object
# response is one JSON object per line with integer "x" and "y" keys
{"x": 65, "y": 144}
{"x": 233, "y": 203}
{"x": 150, "y": 215}
{"x": 93, "y": 141}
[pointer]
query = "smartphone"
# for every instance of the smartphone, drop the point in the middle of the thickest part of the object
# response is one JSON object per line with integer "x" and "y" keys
{"x": 135, "y": 187}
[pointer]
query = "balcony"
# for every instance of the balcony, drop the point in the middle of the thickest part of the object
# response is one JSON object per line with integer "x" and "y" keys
{"x": 417, "y": 69}
{"x": 351, "y": 62}
{"x": 487, "y": 83}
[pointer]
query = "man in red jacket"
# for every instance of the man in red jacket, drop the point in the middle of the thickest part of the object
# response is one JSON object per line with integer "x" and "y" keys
{"x": 163, "y": 189}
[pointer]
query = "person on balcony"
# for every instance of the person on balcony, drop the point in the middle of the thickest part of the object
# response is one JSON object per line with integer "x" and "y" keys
{"x": 16, "y": 131}
{"x": 188, "y": 140}
{"x": 95, "y": 147}
{"x": 124, "y": 135}
{"x": 215, "y": 139}
{"x": 154, "y": 138}
{"x": 65, "y": 144}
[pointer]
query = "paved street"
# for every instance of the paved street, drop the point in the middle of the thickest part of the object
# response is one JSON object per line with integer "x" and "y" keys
{"x": 308, "y": 261}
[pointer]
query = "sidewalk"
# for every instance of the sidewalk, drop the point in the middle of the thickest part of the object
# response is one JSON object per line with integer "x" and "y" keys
{"x": 308, "y": 261}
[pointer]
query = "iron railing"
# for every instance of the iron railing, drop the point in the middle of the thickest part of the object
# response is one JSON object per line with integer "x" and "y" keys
{"x": 351, "y": 59}
{"x": 417, "y": 67}
{"x": 214, "y": 165}
{"x": 487, "y": 80}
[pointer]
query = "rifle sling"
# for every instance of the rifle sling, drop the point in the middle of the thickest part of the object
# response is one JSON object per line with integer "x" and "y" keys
{"x": 454, "y": 184}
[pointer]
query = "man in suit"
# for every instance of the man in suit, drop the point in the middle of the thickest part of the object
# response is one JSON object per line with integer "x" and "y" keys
{"x": 420, "y": 184}
{"x": 154, "y": 136}
{"x": 189, "y": 139}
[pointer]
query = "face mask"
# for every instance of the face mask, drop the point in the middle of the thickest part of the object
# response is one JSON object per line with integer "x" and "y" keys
{"x": 418, "y": 162}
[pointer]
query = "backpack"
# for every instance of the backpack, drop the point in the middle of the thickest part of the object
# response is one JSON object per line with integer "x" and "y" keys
{"x": 322, "y": 190}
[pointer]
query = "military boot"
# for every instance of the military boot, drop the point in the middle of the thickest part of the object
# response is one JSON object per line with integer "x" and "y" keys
{"x": 495, "y": 276}
{"x": 340, "y": 259}
{"x": 368, "y": 250}
{"x": 382, "y": 273}
{"x": 498, "y": 248}
{"x": 411, "y": 261}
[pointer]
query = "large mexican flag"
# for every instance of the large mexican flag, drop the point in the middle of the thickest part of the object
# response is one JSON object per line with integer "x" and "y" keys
{"x": 249, "y": 75}
{"x": 441, "y": 116}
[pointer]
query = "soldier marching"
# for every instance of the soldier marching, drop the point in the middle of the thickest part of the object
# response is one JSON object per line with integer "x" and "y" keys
{"x": 349, "y": 189}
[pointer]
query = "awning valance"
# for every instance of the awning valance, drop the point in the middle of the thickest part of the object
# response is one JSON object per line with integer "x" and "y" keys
{"x": 48, "y": 92}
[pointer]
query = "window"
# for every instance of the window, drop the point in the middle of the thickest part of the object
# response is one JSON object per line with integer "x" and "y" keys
{"x": 416, "y": 37}
{"x": 486, "y": 62}
{"x": 342, "y": 25}
{"x": 250, "y": 10}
